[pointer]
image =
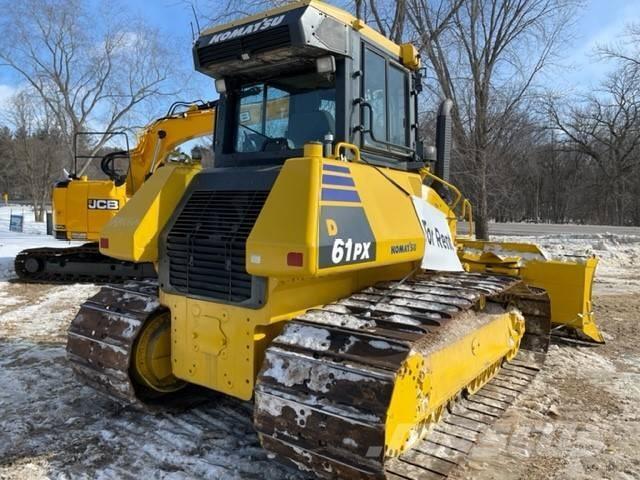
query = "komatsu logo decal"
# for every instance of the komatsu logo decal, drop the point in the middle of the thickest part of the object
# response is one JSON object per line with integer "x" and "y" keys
{"x": 246, "y": 29}
{"x": 403, "y": 248}
{"x": 98, "y": 204}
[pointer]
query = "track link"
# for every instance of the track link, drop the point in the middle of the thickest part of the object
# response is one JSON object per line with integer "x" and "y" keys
{"x": 447, "y": 445}
{"x": 101, "y": 338}
{"x": 325, "y": 386}
{"x": 84, "y": 264}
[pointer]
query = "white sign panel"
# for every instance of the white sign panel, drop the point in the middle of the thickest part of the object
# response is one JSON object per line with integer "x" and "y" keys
{"x": 440, "y": 251}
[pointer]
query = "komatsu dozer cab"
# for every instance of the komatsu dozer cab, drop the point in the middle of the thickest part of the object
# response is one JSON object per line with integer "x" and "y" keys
{"x": 82, "y": 206}
{"x": 316, "y": 270}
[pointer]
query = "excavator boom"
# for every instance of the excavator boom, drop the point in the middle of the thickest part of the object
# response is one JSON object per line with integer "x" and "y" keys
{"x": 81, "y": 206}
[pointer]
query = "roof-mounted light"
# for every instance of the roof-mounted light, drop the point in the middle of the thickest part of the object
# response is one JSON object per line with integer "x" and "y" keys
{"x": 221, "y": 86}
{"x": 326, "y": 64}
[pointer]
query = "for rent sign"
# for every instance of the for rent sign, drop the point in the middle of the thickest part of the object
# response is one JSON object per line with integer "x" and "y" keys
{"x": 440, "y": 251}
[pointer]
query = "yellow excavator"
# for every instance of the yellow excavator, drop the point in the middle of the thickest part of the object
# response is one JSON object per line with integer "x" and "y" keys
{"x": 317, "y": 270}
{"x": 82, "y": 206}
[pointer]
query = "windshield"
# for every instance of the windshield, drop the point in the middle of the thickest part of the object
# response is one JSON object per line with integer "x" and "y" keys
{"x": 285, "y": 113}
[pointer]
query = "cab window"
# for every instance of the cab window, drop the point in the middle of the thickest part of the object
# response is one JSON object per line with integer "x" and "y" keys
{"x": 285, "y": 113}
{"x": 385, "y": 91}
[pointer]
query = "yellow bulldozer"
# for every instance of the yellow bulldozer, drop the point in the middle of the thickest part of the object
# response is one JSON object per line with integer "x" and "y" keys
{"x": 317, "y": 270}
{"x": 82, "y": 206}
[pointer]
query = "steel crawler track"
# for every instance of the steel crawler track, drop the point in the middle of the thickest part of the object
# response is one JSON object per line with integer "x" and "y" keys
{"x": 84, "y": 264}
{"x": 323, "y": 393}
{"x": 100, "y": 339}
{"x": 447, "y": 445}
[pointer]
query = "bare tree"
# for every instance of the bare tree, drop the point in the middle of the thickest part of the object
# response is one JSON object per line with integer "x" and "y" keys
{"x": 220, "y": 11}
{"x": 37, "y": 151}
{"x": 7, "y": 164}
{"x": 606, "y": 127}
{"x": 487, "y": 61}
{"x": 626, "y": 50}
{"x": 90, "y": 68}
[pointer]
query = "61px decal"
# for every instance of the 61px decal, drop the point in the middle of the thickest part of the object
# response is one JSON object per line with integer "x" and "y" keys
{"x": 348, "y": 251}
{"x": 345, "y": 237}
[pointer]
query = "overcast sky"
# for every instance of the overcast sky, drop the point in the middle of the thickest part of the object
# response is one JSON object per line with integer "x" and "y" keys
{"x": 600, "y": 22}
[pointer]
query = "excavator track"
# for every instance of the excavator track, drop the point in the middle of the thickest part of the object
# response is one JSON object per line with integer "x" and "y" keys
{"x": 101, "y": 338}
{"x": 323, "y": 392}
{"x": 83, "y": 264}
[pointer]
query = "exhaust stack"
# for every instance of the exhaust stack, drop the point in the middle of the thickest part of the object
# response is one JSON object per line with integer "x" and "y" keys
{"x": 443, "y": 140}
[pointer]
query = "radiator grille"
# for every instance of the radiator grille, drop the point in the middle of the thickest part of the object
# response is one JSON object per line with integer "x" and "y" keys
{"x": 207, "y": 244}
{"x": 255, "y": 43}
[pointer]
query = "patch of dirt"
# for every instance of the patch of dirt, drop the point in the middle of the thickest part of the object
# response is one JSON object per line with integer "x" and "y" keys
{"x": 579, "y": 419}
{"x": 16, "y": 295}
{"x": 38, "y": 311}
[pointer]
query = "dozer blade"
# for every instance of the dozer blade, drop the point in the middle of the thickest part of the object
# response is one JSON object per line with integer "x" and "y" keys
{"x": 568, "y": 281}
{"x": 398, "y": 380}
{"x": 83, "y": 264}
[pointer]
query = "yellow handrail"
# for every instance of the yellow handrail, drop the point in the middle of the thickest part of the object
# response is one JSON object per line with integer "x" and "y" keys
{"x": 467, "y": 210}
{"x": 427, "y": 173}
{"x": 347, "y": 146}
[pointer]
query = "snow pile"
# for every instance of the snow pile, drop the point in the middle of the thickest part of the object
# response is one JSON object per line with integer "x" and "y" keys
{"x": 619, "y": 256}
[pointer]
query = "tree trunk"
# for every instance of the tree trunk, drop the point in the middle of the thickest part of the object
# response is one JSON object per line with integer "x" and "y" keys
{"x": 43, "y": 208}
{"x": 40, "y": 214}
{"x": 482, "y": 214}
{"x": 38, "y": 210}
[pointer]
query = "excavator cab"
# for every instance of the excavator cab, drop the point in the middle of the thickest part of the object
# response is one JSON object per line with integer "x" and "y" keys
{"x": 81, "y": 206}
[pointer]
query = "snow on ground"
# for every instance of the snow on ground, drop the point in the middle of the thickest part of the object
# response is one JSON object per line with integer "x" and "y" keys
{"x": 11, "y": 243}
{"x": 579, "y": 419}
